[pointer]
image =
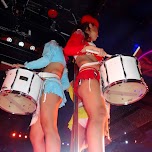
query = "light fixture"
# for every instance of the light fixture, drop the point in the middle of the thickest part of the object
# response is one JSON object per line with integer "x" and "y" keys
{"x": 9, "y": 39}
{"x": 125, "y": 133}
{"x": 25, "y": 136}
{"x": 21, "y": 44}
{"x": 126, "y": 142}
{"x": 19, "y": 135}
{"x": 52, "y": 13}
{"x": 32, "y": 48}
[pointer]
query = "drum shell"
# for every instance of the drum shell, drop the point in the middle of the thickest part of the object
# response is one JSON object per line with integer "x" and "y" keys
{"x": 121, "y": 80}
{"x": 22, "y": 83}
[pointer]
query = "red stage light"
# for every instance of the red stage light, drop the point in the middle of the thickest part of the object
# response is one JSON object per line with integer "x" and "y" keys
{"x": 13, "y": 134}
{"x": 52, "y": 13}
{"x": 25, "y": 136}
{"x": 20, "y": 135}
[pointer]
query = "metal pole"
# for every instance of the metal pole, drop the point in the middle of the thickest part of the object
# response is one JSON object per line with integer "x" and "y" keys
{"x": 74, "y": 133}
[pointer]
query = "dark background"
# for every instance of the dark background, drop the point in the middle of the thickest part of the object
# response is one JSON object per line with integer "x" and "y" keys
{"x": 123, "y": 26}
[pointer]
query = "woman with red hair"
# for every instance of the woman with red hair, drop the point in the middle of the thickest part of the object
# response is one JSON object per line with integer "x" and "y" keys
{"x": 88, "y": 58}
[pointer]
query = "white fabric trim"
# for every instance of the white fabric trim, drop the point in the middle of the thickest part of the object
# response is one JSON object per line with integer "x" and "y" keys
{"x": 88, "y": 64}
{"x": 48, "y": 75}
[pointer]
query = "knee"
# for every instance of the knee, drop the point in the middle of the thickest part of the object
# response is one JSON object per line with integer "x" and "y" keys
{"x": 51, "y": 131}
{"x": 99, "y": 115}
{"x": 36, "y": 138}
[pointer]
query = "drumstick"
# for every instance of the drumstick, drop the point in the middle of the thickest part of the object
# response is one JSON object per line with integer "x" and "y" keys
{"x": 108, "y": 55}
{"x": 96, "y": 52}
{"x": 92, "y": 51}
{"x": 7, "y": 63}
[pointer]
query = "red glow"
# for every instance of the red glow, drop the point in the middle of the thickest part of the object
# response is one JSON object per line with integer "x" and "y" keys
{"x": 20, "y": 135}
{"x": 146, "y": 63}
{"x": 52, "y": 13}
{"x": 25, "y": 136}
{"x": 13, "y": 134}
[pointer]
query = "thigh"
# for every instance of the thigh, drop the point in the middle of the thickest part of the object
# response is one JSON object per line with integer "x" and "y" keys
{"x": 49, "y": 109}
{"x": 36, "y": 131}
{"x": 89, "y": 91}
{"x": 81, "y": 134}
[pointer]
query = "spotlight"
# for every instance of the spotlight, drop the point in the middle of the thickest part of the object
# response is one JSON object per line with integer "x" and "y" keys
{"x": 9, "y": 39}
{"x": 21, "y": 44}
{"x": 19, "y": 135}
{"x": 25, "y": 136}
{"x": 32, "y": 48}
{"x": 126, "y": 142}
{"x": 13, "y": 134}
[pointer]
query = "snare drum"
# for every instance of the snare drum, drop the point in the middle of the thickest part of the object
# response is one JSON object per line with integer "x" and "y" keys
{"x": 20, "y": 91}
{"x": 121, "y": 80}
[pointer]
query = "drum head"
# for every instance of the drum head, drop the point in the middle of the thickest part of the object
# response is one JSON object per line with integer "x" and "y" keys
{"x": 125, "y": 93}
{"x": 16, "y": 104}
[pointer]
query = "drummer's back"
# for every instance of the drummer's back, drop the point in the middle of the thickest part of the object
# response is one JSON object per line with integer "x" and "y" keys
{"x": 54, "y": 67}
{"x": 83, "y": 59}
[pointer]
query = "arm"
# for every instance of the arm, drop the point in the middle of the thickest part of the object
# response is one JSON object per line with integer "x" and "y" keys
{"x": 75, "y": 44}
{"x": 37, "y": 64}
{"x": 48, "y": 53}
{"x": 95, "y": 50}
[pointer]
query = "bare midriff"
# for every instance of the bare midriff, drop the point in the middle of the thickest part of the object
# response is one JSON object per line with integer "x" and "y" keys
{"x": 83, "y": 59}
{"x": 56, "y": 68}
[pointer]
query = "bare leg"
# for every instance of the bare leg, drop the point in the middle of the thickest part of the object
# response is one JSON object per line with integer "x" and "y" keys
{"x": 96, "y": 109}
{"x": 81, "y": 137}
{"x": 37, "y": 137}
{"x": 48, "y": 116}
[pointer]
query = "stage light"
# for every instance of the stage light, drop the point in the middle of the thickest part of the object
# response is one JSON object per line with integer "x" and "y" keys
{"x": 13, "y": 134}
{"x": 19, "y": 135}
{"x": 32, "y": 48}
{"x": 25, "y": 136}
{"x": 126, "y": 142}
{"x": 9, "y": 39}
{"x": 21, "y": 44}
{"x": 52, "y": 13}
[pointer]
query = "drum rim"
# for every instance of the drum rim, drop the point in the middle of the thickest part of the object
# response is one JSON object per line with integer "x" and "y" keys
{"x": 118, "y": 55}
{"x": 128, "y": 102}
{"x": 16, "y": 113}
{"x": 141, "y": 82}
{"x": 24, "y": 95}
{"x": 23, "y": 68}
{"x": 19, "y": 92}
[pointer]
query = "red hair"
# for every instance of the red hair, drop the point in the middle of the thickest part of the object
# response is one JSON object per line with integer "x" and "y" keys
{"x": 90, "y": 19}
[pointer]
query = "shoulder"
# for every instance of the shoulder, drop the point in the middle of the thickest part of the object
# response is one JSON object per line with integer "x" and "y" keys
{"x": 79, "y": 31}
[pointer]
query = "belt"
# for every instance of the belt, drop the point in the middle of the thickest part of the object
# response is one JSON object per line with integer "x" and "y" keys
{"x": 48, "y": 75}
